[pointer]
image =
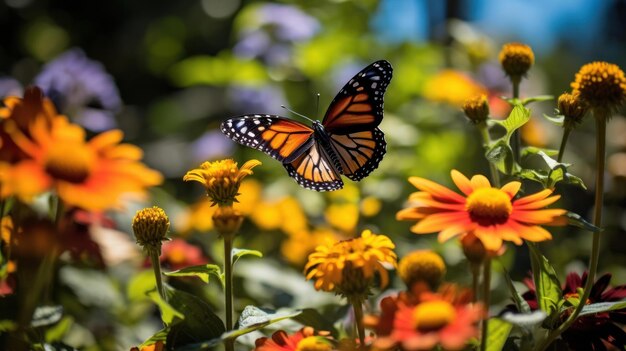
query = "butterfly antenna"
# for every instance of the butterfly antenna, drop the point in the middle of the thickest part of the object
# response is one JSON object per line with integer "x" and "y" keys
{"x": 297, "y": 114}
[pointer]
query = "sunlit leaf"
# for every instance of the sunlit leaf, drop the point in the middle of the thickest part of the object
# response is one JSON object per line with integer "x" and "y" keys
{"x": 169, "y": 314}
{"x": 58, "y": 331}
{"x": 556, "y": 120}
{"x": 547, "y": 284}
{"x": 203, "y": 272}
{"x": 239, "y": 253}
{"x": 140, "y": 284}
{"x": 537, "y": 98}
{"x": 253, "y": 318}
{"x": 161, "y": 335}
{"x": 498, "y": 331}
{"x": 533, "y": 150}
{"x": 521, "y": 304}
{"x": 46, "y": 315}
{"x": 7, "y": 325}
{"x": 602, "y": 307}
{"x": 200, "y": 322}
{"x": 576, "y": 220}
{"x": 223, "y": 69}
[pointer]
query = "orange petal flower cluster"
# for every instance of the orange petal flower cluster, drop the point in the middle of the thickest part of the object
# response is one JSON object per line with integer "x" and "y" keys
{"x": 90, "y": 174}
{"x": 491, "y": 214}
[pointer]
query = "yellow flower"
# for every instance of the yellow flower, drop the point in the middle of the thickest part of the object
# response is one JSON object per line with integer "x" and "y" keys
{"x": 422, "y": 266}
{"x": 90, "y": 174}
{"x": 370, "y": 206}
{"x": 452, "y": 87}
{"x": 342, "y": 216}
{"x": 572, "y": 108}
{"x": 348, "y": 267}
{"x": 516, "y": 59}
{"x": 476, "y": 108}
{"x": 601, "y": 85}
{"x": 221, "y": 179}
{"x": 296, "y": 247}
{"x": 150, "y": 226}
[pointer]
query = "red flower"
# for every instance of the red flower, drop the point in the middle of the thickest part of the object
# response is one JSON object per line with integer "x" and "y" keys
{"x": 178, "y": 254}
{"x": 303, "y": 340}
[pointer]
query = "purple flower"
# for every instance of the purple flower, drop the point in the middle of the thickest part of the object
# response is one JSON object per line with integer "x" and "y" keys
{"x": 81, "y": 88}
{"x": 272, "y": 33}
{"x": 212, "y": 145}
{"x": 10, "y": 87}
{"x": 265, "y": 99}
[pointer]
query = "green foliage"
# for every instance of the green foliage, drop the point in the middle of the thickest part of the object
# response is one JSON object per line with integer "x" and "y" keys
{"x": 499, "y": 151}
{"x": 253, "y": 318}
{"x": 546, "y": 282}
{"x": 202, "y": 271}
{"x": 239, "y": 253}
{"x": 221, "y": 70}
{"x": 498, "y": 332}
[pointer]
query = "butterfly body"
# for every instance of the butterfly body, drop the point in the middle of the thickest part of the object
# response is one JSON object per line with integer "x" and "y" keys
{"x": 347, "y": 141}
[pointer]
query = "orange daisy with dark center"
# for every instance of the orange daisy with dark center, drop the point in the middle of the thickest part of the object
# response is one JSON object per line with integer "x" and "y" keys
{"x": 491, "y": 214}
{"x": 93, "y": 174}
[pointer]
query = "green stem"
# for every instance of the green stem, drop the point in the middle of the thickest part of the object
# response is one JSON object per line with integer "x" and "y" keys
{"x": 486, "y": 298}
{"x": 566, "y": 132}
{"x": 156, "y": 265}
{"x": 228, "y": 284}
{"x": 517, "y": 139}
{"x": 601, "y": 116}
{"x": 484, "y": 133}
{"x": 357, "y": 305}
{"x": 475, "y": 276}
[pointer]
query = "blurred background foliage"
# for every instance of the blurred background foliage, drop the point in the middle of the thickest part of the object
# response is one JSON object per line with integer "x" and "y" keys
{"x": 168, "y": 72}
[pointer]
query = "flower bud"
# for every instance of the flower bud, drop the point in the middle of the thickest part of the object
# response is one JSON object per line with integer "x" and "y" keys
{"x": 516, "y": 59}
{"x": 476, "y": 109}
{"x": 150, "y": 226}
{"x": 227, "y": 221}
{"x": 422, "y": 266}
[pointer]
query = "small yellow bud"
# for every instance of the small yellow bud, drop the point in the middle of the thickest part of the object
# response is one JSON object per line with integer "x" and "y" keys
{"x": 422, "y": 266}
{"x": 227, "y": 221}
{"x": 150, "y": 226}
{"x": 476, "y": 109}
{"x": 516, "y": 59}
{"x": 572, "y": 108}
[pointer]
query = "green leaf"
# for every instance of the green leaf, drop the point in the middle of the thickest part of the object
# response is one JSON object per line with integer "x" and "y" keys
{"x": 498, "y": 331}
{"x": 201, "y": 271}
{"x": 499, "y": 151}
{"x": 253, "y": 318}
{"x": 576, "y": 220}
{"x": 501, "y": 154}
{"x": 200, "y": 322}
{"x": 58, "y": 331}
{"x": 547, "y": 284}
{"x": 602, "y": 307}
{"x": 556, "y": 120}
{"x": 46, "y": 315}
{"x": 239, "y": 253}
{"x": 7, "y": 325}
{"x": 521, "y": 304}
{"x": 533, "y": 150}
{"x": 169, "y": 314}
{"x": 140, "y": 284}
{"x": 161, "y": 335}
{"x": 517, "y": 118}
{"x": 538, "y": 98}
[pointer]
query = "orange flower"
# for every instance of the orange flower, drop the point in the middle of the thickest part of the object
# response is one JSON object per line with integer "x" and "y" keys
{"x": 90, "y": 174}
{"x": 22, "y": 112}
{"x": 452, "y": 87}
{"x": 304, "y": 340}
{"x": 491, "y": 214}
{"x": 435, "y": 320}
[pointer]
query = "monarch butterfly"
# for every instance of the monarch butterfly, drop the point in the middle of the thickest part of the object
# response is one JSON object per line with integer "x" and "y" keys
{"x": 347, "y": 141}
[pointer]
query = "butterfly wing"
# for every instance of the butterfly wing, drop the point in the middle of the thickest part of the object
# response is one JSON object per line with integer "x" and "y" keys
{"x": 359, "y": 153}
{"x": 314, "y": 170}
{"x": 352, "y": 118}
{"x": 281, "y": 138}
{"x": 359, "y": 104}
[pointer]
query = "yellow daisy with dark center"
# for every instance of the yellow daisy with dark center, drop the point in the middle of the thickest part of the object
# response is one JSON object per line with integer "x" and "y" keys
{"x": 601, "y": 85}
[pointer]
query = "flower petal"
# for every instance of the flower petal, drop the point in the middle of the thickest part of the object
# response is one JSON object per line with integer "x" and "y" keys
{"x": 480, "y": 181}
{"x": 536, "y": 216}
{"x": 439, "y": 221}
{"x": 489, "y": 238}
{"x": 533, "y": 233}
{"x": 532, "y": 198}
{"x": 537, "y": 204}
{"x": 438, "y": 191}
{"x": 511, "y": 188}
{"x": 451, "y": 232}
{"x": 462, "y": 182}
